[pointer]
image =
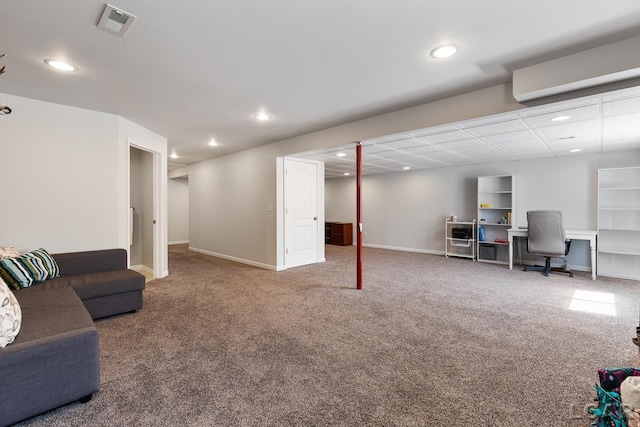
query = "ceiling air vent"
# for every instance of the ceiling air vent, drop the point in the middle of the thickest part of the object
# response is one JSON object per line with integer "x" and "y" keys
{"x": 115, "y": 20}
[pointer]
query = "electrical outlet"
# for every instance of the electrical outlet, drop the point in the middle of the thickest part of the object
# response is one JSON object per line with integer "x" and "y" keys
{"x": 365, "y": 234}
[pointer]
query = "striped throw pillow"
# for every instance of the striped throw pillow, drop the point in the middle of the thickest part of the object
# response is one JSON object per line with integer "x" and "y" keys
{"x": 27, "y": 269}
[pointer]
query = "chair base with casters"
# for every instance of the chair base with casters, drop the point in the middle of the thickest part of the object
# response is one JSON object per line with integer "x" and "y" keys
{"x": 546, "y": 269}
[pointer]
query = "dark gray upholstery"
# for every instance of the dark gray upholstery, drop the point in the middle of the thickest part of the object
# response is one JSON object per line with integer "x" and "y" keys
{"x": 101, "y": 280}
{"x": 55, "y": 358}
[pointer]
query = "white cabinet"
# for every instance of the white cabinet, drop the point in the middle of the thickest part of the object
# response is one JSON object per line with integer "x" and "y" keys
{"x": 460, "y": 239}
{"x": 619, "y": 222}
{"x": 496, "y": 212}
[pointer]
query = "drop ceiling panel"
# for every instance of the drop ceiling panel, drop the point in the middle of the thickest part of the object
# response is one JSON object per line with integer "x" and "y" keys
{"x": 585, "y": 129}
{"x": 438, "y": 138}
{"x": 624, "y": 129}
{"x": 375, "y": 149}
{"x": 578, "y": 114}
{"x": 450, "y": 158}
{"x": 426, "y": 149}
{"x": 519, "y": 149}
{"x": 485, "y": 153}
{"x": 598, "y": 123}
{"x": 465, "y": 143}
{"x": 621, "y": 106}
{"x": 496, "y": 128}
{"x": 404, "y": 143}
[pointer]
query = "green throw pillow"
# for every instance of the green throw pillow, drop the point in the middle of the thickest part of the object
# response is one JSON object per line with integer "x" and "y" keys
{"x": 27, "y": 269}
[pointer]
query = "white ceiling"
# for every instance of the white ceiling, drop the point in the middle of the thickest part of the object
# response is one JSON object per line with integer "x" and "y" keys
{"x": 200, "y": 69}
{"x": 596, "y": 124}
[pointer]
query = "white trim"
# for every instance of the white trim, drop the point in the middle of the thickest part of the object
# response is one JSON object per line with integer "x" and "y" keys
{"x": 160, "y": 229}
{"x": 178, "y": 242}
{"x": 231, "y": 258}
{"x": 396, "y": 248}
{"x": 142, "y": 268}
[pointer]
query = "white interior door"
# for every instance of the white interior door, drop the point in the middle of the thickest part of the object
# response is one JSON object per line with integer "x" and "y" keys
{"x": 301, "y": 212}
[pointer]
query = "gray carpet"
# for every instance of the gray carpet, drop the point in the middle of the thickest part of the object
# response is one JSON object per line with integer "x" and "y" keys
{"x": 430, "y": 341}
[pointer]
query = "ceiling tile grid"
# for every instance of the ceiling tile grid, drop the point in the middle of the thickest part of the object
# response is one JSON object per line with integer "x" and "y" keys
{"x": 593, "y": 124}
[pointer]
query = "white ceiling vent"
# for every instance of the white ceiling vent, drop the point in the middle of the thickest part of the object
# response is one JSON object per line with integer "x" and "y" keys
{"x": 115, "y": 20}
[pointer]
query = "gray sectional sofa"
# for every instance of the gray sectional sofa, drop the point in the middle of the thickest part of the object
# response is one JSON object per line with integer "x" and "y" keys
{"x": 55, "y": 359}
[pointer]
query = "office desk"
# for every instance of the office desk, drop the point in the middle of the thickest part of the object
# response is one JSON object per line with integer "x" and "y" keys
{"x": 589, "y": 235}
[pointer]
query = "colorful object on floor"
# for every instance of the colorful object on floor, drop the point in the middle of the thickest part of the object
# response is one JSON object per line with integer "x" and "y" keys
{"x": 609, "y": 412}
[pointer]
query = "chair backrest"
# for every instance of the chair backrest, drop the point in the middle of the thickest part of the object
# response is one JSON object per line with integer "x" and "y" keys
{"x": 546, "y": 233}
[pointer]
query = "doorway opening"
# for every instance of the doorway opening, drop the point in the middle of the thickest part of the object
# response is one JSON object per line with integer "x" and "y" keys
{"x": 142, "y": 199}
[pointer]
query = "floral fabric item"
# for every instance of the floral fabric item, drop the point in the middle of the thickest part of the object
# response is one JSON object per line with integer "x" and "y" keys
{"x": 8, "y": 252}
{"x": 10, "y": 315}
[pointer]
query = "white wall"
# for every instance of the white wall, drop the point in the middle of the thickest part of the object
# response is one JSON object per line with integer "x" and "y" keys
{"x": 229, "y": 195}
{"x": 178, "y": 209}
{"x": 66, "y": 174}
{"x": 60, "y": 177}
{"x": 406, "y": 210}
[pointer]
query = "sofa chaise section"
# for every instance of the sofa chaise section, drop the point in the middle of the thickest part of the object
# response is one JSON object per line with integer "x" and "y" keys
{"x": 101, "y": 279}
{"x": 55, "y": 358}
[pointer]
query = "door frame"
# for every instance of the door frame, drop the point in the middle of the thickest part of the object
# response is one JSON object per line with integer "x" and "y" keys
{"x": 159, "y": 214}
{"x": 280, "y": 209}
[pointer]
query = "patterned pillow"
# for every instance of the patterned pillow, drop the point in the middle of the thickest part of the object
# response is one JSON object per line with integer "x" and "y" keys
{"x": 8, "y": 252}
{"x": 27, "y": 269}
{"x": 10, "y": 315}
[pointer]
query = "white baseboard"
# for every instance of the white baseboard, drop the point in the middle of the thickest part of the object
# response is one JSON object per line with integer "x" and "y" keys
{"x": 178, "y": 242}
{"x": 397, "y": 248}
{"x": 232, "y": 258}
{"x": 142, "y": 268}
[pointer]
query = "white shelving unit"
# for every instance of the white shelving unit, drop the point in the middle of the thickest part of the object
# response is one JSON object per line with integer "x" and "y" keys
{"x": 464, "y": 248}
{"x": 496, "y": 213}
{"x": 619, "y": 222}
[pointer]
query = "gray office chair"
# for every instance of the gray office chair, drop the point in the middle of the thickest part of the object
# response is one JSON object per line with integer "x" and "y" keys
{"x": 547, "y": 239}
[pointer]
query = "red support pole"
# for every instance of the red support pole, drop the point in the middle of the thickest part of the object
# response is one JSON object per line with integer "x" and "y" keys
{"x": 358, "y": 214}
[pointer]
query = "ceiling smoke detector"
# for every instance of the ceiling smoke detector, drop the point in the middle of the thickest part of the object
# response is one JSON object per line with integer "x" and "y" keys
{"x": 115, "y": 20}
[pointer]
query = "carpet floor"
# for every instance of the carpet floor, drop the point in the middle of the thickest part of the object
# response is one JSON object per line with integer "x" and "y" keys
{"x": 429, "y": 341}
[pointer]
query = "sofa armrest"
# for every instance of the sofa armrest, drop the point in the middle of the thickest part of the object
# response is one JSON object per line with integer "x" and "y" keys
{"x": 74, "y": 263}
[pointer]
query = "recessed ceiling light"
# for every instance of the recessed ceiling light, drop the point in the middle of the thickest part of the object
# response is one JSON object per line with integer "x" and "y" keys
{"x": 575, "y": 150}
{"x": 60, "y": 65}
{"x": 262, "y": 117}
{"x": 346, "y": 174}
{"x": 444, "y": 51}
{"x": 560, "y": 118}
{"x": 213, "y": 143}
{"x": 406, "y": 168}
{"x": 173, "y": 156}
{"x": 341, "y": 154}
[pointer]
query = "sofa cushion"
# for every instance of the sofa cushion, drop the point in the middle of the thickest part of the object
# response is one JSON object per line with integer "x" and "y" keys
{"x": 54, "y": 360}
{"x": 95, "y": 285}
{"x": 48, "y": 313}
{"x": 24, "y": 270}
{"x": 74, "y": 263}
{"x": 10, "y": 315}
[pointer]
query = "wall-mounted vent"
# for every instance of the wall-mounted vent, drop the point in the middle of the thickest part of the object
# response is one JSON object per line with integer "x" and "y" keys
{"x": 115, "y": 20}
